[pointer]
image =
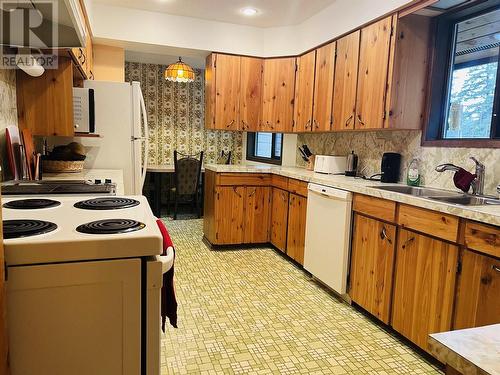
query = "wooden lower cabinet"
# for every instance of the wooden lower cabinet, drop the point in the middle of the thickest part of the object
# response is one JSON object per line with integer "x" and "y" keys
{"x": 478, "y": 295}
{"x": 279, "y": 218}
{"x": 424, "y": 286}
{"x": 257, "y": 214}
{"x": 229, "y": 214}
{"x": 297, "y": 209}
{"x": 372, "y": 265}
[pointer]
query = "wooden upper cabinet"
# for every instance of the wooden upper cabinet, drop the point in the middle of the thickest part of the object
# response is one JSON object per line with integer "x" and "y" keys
{"x": 227, "y": 91}
{"x": 279, "y": 218}
{"x": 257, "y": 214}
{"x": 478, "y": 296}
{"x": 424, "y": 286}
{"x": 408, "y": 69}
{"x": 372, "y": 265}
{"x": 210, "y": 91}
{"x": 297, "y": 212}
{"x": 323, "y": 88}
{"x": 373, "y": 69}
{"x": 278, "y": 94}
{"x": 250, "y": 93}
{"x": 45, "y": 103}
{"x": 345, "y": 83}
{"x": 304, "y": 92}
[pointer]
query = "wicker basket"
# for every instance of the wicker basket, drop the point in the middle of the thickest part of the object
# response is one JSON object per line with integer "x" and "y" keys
{"x": 62, "y": 166}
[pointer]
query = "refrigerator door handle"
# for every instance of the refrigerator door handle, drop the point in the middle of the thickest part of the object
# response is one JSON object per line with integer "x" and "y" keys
{"x": 146, "y": 141}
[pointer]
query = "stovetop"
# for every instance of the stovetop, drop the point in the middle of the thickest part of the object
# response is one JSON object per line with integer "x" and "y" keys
{"x": 67, "y": 243}
{"x": 31, "y": 204}
{"x": 110, "y": 226}
{"x": 21, "y": 228}
{"x": 107, "y": 203}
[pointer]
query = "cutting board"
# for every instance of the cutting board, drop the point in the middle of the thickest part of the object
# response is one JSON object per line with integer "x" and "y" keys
{"x": 13, "y": 142}
{"x": 30, "y": 151}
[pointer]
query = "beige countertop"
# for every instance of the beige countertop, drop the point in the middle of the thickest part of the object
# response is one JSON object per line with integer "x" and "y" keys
{"x": 486, "y": 214}
{"x": 116, "y": 176}
{"x": 469, "y": 351}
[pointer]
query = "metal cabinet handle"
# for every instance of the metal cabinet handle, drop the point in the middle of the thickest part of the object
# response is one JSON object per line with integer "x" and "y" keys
{"x": 361, "y": 121}
{"x": 348, "y": 121}
{"x": 383, "y": 235}
{"x": 407, "y": 242}
{"x": 316, "y": 123}
{"x": 236, "y": 192}
{"x": 231, "y": 123}
{"x": 495, "y": 268}
{"x": 253, "y": 192}
{"x": 244, "y": 125}
{"x": 308, "y": 124}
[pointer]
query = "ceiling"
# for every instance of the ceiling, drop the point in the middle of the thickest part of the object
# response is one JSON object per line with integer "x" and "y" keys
{"x": 271, "y": 13}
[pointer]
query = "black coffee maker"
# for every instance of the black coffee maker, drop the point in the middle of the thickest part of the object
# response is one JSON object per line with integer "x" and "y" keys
{"x": 391, "y": 167}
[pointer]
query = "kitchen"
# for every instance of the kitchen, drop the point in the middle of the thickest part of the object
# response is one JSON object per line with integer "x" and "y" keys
{"x": 327, "y": 170}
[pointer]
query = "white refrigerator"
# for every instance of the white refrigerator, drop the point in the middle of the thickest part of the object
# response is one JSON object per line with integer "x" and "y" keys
{"x": 121, "y": 121}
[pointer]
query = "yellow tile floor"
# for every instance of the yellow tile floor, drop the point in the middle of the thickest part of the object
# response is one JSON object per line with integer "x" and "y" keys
{"x": 253, "y": 312}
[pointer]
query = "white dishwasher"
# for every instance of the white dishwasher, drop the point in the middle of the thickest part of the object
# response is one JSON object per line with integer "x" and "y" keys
{"x": 328, "y": 232}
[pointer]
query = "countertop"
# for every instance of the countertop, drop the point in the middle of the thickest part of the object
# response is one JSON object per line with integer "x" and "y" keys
{"x": 486, "y": 214}
{"x": 116, "y": 176}
{"x": 470, "y": 351}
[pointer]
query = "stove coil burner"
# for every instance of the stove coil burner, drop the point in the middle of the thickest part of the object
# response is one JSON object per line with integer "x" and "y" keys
{"x": 31, "y": 204}
{"x": 110, "y": 226}
{"x": 25, "y": 228}
{"x": 108, "y": 203}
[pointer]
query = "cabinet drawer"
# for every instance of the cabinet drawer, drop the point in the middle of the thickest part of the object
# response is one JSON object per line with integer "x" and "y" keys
{"x": 435, "y": 223}
{"x": 279, "y": 182}
{"x": 297, "y": 187}
{"x": 482, "y": 237}
{"x": 376, "y": 207}
{"x": 250, "y": 179}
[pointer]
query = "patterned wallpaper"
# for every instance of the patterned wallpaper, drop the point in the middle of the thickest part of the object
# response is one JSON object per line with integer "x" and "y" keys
{"x": 176, "y": 117}
{"x": 8, "y": 110}
{"x": 371, "y": 145}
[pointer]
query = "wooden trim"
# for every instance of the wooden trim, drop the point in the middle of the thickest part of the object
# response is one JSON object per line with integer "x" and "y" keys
{"x": 416, "y": 6}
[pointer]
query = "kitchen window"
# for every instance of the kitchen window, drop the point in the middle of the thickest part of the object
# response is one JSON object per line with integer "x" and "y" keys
{"x": 465, "y": 84}
{"x": 264, "y": 147}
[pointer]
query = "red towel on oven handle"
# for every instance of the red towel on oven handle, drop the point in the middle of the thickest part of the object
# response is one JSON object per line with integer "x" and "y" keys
{"x": 168, "y": 300}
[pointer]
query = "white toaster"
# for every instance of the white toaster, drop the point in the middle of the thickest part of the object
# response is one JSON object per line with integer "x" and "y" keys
{"x": 330, "y": 164}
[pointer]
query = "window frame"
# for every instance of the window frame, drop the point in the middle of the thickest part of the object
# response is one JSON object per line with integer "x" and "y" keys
{"x": 251, "y": 136}
{"x": 443, "y": 45}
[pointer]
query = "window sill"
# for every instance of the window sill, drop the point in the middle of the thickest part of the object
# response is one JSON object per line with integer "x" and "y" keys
{"x": 462, "y": 143}
{"x": 263, "y": 160}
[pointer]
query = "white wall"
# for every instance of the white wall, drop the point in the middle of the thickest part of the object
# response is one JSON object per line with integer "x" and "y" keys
{"x": 288, "y": 153}
{"x": 159, "y": 29}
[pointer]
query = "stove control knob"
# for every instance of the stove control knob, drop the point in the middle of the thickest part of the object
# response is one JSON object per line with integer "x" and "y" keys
{"x": 107, "y": 181}
{"x": 97, "y": 181}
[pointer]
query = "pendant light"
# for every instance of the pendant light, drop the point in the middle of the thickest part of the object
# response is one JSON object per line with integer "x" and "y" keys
{"x": 179, "y": 72}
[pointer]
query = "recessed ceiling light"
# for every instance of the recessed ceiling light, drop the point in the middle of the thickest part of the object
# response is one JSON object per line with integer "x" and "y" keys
{"x": 249, "y": 11}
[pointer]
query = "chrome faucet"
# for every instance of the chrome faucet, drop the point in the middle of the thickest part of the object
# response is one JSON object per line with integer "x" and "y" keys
{"x": 478, "y": 183}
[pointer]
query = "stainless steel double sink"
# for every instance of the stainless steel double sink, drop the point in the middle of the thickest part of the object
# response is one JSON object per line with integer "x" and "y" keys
{"x": 444, "y": 196}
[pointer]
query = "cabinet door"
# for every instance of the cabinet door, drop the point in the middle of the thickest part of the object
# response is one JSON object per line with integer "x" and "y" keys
{"x": 278, "y": 94}
{"x": 424, "y": 286}
{"x": 297, "y": 208}
{"x": 345, "y": 83}
{"x": 257, "y": 214}
{"x": 478, "y": 298}
{"x": 304, "y": 92}
{"x": 251, "y": 93}
{"x": 279, "y": 218}
{"x": 372, "y": 74}
{"x": 372, "y": 265}
{"x": 323, "y": 88}
{"x": 227, "y": 91}
{"x": 229, "y": 214}
{"x": 45, "y": 104}
{"x": 210, "y": 91}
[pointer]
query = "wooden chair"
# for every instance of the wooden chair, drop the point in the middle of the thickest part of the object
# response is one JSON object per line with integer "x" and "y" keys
{"x": 187, "y": 178}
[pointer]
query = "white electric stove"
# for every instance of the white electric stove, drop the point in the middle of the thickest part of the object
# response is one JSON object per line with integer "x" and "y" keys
{"x": 83, "y": 285}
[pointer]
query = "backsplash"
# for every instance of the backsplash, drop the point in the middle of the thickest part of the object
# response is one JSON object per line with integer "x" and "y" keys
{"x": 8, "y": 111}
{"x": 371, "y": 145}
{"x": 176, "y": 117}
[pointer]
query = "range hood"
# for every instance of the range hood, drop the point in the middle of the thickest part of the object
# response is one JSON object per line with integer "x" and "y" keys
{"x": 60, "y": 24}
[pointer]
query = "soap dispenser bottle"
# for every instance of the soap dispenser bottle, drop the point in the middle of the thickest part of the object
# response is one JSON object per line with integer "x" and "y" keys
{"x": 413, "y": 173}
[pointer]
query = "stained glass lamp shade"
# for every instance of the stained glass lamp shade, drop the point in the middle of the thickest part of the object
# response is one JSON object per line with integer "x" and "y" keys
{"x": 179, "y": 72}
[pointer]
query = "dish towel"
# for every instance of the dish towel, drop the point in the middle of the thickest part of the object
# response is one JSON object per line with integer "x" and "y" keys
{"x": 168, "y": 301}
{"x": 463, "y": 179}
